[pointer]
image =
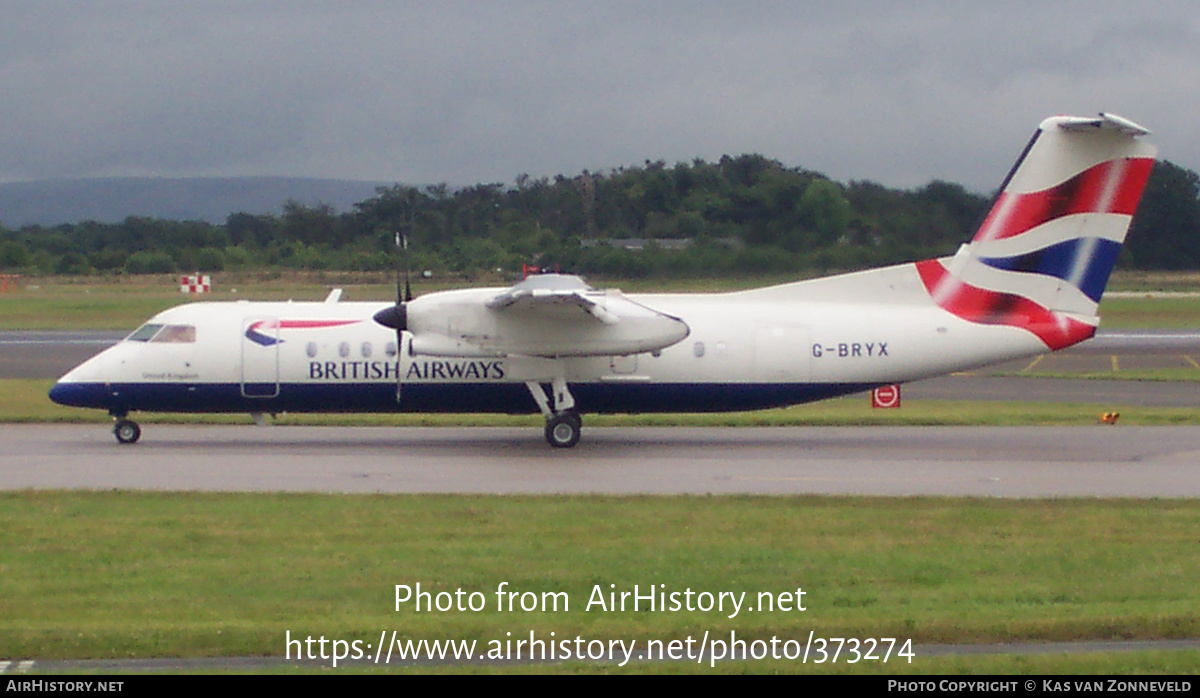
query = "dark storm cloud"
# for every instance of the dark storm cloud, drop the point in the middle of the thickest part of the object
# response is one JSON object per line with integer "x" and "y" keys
{"x": 482, "y": 91}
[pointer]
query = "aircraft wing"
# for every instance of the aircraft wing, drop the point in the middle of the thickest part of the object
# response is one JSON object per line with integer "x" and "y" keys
{"x": 550, "y": 315}
{"x": 555, "y": 297}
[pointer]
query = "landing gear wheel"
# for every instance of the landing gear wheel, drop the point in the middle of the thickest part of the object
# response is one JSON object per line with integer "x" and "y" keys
{"x": 563, "y": 429}
{"x": 126, "y": 431}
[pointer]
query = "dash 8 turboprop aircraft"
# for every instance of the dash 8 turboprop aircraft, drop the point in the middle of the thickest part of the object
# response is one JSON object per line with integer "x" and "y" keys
{"x": 1028, "y": 282}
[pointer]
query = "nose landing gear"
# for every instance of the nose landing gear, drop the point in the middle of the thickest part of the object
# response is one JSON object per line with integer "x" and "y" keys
{"x": 127, "y": 431}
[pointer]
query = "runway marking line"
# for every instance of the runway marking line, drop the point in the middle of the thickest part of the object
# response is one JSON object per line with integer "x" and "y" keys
{"x": 1036, "y": 360}
{"x": 1114, "y": 363}
{"x": 816, "y": 478}
{"x": 1191, "y": 361}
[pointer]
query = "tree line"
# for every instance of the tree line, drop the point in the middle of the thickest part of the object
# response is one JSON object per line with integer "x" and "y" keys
{"x": 745, "y": 214}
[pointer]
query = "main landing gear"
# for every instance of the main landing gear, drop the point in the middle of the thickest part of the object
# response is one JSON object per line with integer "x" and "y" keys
{"x": 127, "y": 431}
{"x": 563, "y": 424}
{"x": 563, "y": 429}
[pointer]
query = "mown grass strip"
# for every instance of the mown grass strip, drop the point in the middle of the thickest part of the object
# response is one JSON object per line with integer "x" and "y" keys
{"x": 115, "y": 574}
{"x": 1165, "y": 374}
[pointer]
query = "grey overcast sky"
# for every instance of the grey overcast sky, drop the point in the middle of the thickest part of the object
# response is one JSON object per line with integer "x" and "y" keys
{"x": 467, "y": 92}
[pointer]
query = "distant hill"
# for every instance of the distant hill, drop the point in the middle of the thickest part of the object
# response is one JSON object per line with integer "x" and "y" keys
{"x": 112, "y": 199}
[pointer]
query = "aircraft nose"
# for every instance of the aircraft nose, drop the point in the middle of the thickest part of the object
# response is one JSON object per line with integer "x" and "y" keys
{"x": 59, "y": 394}
{"x": 72, "y": 394}
{"x": 86, "y": 385}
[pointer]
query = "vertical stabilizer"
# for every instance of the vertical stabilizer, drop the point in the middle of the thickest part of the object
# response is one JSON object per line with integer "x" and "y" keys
{"x": 1043, "y": 255}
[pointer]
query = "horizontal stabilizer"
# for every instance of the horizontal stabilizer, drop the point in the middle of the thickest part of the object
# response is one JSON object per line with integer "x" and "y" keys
{"x": 1104, "y": 121}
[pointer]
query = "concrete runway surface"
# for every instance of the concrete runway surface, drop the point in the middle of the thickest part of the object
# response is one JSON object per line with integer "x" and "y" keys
{"x": 1087, "y": 461}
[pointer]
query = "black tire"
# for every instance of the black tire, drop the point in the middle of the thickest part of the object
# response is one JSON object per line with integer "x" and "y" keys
{"x": 563, "y": 429}
{"x": 126, "y": 431}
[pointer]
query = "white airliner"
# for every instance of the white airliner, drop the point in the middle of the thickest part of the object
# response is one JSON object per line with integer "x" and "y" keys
{"x": 1028, "y": 282}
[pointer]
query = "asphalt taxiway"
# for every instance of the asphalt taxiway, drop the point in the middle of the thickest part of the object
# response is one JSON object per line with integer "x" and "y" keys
{"x": 50, "y": 353}
{"x": 1092, "y": 461}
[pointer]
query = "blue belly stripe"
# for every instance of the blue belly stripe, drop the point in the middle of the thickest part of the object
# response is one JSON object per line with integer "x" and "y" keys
{"x": 502, "y": 398}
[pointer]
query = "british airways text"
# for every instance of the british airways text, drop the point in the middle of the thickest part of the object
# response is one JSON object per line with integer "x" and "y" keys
{"x": 418, "y": 370}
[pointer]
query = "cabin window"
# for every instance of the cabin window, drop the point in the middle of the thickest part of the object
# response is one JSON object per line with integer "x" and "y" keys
{"x": 698, "y": 350}
{"x": 176, "y": 334}
{"x": 366, "y": 350}
{"x": 311, "y": 350}
{"x": 390, "y": 349}
{"x": 144, "y": 333}
{"x": 344, "y": 350}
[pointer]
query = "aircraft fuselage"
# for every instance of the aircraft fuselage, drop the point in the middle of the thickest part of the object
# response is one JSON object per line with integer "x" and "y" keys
{"x": 748, "y": 350}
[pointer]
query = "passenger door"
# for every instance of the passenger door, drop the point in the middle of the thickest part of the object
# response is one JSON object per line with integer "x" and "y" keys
{"x": 260, "y": 357}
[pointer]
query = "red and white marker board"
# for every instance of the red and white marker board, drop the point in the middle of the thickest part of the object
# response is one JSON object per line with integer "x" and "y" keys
{"x": 886, "y": 396}
{"x": 196, "y": 283}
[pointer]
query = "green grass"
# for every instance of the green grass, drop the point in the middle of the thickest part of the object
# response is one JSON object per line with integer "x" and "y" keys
{"x": 1150, "y": 313}
{"x": 1155, "y": 281}
{"x": 121, "y": 574}
{"x": 1172, "y": 374}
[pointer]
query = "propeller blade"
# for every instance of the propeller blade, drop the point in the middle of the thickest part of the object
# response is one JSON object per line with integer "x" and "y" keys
{"x": 399, "y": 294}
{"x": 408, "y": 296}
{"x": 396, "y": 317}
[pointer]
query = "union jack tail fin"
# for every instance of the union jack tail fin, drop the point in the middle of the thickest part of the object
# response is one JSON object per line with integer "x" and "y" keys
{"x": 1043, "y": 255}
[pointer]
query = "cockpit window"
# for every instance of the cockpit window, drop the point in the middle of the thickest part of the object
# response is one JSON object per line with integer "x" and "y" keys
{"x": 144, "y": 333}
{"x": 176, "y": 334}
{"x": 173, "y": 334}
